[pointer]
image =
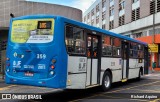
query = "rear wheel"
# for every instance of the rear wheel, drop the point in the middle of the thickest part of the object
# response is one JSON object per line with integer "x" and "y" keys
{"x": 106, "y": 82}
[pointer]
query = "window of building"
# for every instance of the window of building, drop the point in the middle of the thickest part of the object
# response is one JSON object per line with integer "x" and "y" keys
{"x": 157, "y": 31}
{"x": 88, "y": 16}
{"x": 92, "y": 22}
{"x": 135, "y": 14}
{"x": 145, "y": 33}
{"x": 121, "y": 20}
{"x": 111, "y": 24}
{"x": 106, "y": 46}
{"x": 103, "y": 15}
{"x": 150, "y": 32}
{"x": 103, "y": 3}
{"x": 137, "y": 35}
{"x": 128, "y": 35}
{"x": 104, "y": 26}
{"x": 121, "y": 4}
{"x": 97, "y": 8}
{"x": 152, "y": 7}
{"x": 84, "y": 18}
{"x": 75, "y": 40}
{"x": 116, "y": 47}
{"x": 134, "y": 1}
{"x": 158, "y": 5}
{"x": 92, "y": 12}
{"x": 97, "y": 19}
{"x": 110, "y": 0}
{"x": 111, "y": 11}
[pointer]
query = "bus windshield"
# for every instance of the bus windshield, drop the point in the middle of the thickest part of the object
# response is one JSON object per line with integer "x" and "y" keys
{"x": 32, "y": 31}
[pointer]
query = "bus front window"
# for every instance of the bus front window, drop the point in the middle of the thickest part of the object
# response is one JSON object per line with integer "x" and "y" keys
{"x": 32, "y": 31}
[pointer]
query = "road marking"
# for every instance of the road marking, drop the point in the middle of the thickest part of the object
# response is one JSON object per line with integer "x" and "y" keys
{"x": 140, "y": 100}
{"x": 146, "y": 90}
{"x": 123, "y": 98}
{"x": 156, "y": 100}
{"x": 111, "y": 96}
{"x": 7, "y": 87}
{"x": 116, "y": 91}
{"x": 155, "y": 85}
{"x": 133, "y": 87}
{"x": 85, "y": 98}
{"x": 152, "y": 75}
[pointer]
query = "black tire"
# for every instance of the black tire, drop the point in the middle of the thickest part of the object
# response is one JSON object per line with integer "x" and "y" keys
{"x": 107, "y": 81}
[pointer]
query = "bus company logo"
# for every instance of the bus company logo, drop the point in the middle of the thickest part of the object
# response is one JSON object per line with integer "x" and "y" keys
{"x": 18, "y": 55}
{"x": 15, "y": 54}
{"x": 6, "y": 96}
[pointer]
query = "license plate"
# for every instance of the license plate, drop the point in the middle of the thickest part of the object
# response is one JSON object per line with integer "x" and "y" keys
{"x": 28, "y": 74}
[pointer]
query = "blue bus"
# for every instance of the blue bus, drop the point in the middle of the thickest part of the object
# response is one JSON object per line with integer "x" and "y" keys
{"x": 57, "y": 52}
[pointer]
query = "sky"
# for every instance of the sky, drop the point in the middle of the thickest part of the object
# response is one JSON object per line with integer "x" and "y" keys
{"x": 80, "y": 4}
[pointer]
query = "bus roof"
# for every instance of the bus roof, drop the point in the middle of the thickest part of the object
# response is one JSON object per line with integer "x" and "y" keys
{"x": 82, "y": 25}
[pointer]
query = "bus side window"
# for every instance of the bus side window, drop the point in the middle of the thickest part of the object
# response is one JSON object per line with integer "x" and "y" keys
{"x": 133, "y": 50}
{"x": 116, "y": 47}
{"x": 75, "y": 40}
{"x": 106, "y": 46}
{"x": 140, "y": 51}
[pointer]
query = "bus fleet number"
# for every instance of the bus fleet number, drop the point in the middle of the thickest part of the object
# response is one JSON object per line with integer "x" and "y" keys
{"x": 41, "y": 56}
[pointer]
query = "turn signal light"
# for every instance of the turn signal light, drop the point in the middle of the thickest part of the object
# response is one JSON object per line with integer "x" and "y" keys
{"x": 53, "y": 61}
{"x": 52, "y": 66}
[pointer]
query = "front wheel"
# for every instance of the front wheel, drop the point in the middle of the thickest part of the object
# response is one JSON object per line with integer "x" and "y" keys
{"x": 106, "y": 82}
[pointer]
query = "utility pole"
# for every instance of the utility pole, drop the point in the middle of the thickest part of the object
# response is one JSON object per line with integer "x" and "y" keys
{"x": 153, "y": 36}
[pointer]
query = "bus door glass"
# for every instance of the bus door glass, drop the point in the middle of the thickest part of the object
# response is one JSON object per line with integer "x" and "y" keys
{"x": 125, "y": 57}
{"x": 92, "y": 63}
{"x": 146, "y": 60}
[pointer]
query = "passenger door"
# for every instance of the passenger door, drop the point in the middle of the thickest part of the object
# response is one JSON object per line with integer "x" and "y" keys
{"x": 125, "y": 60}
{"x": 146, "y": 60}
{"x": 93, "y": 58}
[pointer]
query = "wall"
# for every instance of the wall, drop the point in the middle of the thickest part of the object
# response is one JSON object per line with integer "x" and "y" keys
{"x": 22, "y": 7}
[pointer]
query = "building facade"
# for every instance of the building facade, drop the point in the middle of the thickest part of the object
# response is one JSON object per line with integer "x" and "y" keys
{"x": 24, "y": 7}
{"x": 137, "y": 19}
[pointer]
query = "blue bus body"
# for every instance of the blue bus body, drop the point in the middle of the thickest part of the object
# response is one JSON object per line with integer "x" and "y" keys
{"x": 53, "y": 50}
{"x": 23, "y": 56}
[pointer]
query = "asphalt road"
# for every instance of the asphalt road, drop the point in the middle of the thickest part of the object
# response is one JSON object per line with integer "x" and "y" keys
{"x": 147, "y": 89}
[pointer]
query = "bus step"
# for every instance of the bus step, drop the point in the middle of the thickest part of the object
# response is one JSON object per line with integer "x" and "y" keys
{"x": 124, "y": 80}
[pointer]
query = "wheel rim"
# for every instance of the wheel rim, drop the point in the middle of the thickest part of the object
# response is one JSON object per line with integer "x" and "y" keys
{"x": 107, "y": 81}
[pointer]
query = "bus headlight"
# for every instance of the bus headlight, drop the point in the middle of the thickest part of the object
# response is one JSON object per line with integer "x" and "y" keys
{"x": 51, "y": 72}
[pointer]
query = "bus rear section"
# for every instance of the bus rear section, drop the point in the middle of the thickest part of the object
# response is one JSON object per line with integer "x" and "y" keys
{"x": 32, "y": 53}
